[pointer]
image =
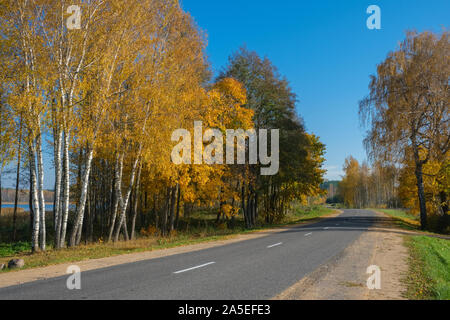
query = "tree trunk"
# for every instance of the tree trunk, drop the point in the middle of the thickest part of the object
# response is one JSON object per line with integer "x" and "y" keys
{"x": 35, "y": 200}
{"x": 83, "y": 195}
{"x": 116, "y": 194}
{"x": 172, "y": 209}
{"x": 421, "y": 193}
{"x": 66, "y": 195}
{"x": 444, "y": 203}
{"x": 42, "y": 228}
{"x": 0, "y": 193}
{"x": 136, "y": 201}
{"x": 177, "y": 219}
{"x": 244, "y": 210}
{"x": 30, "y": 200}
{"x": 165, "y": 213}
{"x": 56, "y": 200}
{"x": 124, "y": 201}
{"x": 16, "y": 195}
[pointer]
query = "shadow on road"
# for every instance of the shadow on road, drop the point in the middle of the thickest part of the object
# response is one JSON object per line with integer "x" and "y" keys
{"x": 367, "y": 223}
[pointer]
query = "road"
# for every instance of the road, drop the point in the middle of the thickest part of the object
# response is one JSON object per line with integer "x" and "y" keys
{"x": 256, "y": 269}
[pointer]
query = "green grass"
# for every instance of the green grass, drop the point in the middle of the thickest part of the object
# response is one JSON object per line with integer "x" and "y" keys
{"x": 11, "y": 249}
{"x": 429, "y": 268}
{"x": 402, "y": 218}
{"x": 405, "y": 220}
{"x": 199, "y": 229}
{"x": 308, "y": 213}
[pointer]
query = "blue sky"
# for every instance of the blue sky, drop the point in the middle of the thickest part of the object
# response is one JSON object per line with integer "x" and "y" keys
{"x": 325, "y": 50}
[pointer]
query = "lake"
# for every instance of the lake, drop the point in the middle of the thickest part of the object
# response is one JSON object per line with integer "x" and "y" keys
{"x": 48, "y": 207}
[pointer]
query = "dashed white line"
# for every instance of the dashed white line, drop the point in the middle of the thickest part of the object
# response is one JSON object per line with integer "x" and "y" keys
{"x": 193, "y": 268}
{"x": 275, "y": 245}
{"x": 308, "y": 234}
{"x": 326, "y": 228}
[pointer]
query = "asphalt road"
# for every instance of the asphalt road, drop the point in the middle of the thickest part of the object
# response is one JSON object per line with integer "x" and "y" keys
{"x": 249, "y": 270}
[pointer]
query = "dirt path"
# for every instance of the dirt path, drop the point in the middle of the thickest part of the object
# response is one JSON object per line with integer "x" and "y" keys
{"x": 345, "y": 277}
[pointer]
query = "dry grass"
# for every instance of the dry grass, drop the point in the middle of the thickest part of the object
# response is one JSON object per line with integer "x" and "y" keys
{"x": 6, "y": 222}
{"x": 7, "y": 212}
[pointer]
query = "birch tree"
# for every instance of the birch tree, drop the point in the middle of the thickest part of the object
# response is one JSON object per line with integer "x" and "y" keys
{"x": 407, "y": 108}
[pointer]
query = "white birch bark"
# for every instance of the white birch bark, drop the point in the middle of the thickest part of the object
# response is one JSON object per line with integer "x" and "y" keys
{"x": 57, "y": 201}
{"x": 124, "y": 201}
{"x": 66, "y": 188}
{"x": 83, "y": 196}
{"x": 136, "y": 201}
{"x": 40, "y": 168}
{"x": 35, "y": 200}
{"x": 118, "y": 170}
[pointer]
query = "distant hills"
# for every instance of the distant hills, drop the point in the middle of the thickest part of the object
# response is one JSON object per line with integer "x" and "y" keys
{"x": 9, "y": 194}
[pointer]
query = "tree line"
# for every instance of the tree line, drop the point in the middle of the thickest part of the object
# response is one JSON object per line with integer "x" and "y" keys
{"x": 104, "y": 100}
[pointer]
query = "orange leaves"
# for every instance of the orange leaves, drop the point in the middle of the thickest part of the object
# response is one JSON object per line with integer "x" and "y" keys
{"x": 227, "y": 111}
{"x": 233, "y": 90}
{"x": 436, "y": 179}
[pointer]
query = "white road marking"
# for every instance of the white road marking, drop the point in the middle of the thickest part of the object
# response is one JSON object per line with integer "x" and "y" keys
{"x": 275, "y": 245}
{"x": 193, "y": 268}
{"x": 353, "y": 228}
{"x": 308, "y": 234}
{"x": 327, "y": 228}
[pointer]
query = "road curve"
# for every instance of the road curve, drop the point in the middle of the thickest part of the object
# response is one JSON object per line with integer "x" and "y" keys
{"x": 256, "y": 269}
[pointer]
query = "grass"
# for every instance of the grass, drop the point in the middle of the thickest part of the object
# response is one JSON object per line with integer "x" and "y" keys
{"x": 6, "y": 222}
{"x": 429, "y": 268}
{"x": 408, "y": 221}
{"x": 402, "y": 218}
{"x": 429, "y": 259}
{"x": 349, "y": 284}
{"x": 200, "y": 229}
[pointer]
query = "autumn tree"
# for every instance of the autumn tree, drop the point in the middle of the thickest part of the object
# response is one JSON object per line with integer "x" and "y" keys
{"x": 407, "y": 107}
{"x": 301, "y": 155}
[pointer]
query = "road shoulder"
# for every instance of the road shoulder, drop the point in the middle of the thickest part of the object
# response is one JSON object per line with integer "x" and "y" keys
{"x": 345, "y": 276}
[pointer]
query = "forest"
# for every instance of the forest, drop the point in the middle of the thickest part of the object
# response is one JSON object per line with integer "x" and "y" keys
{"x": 101, "y": 102}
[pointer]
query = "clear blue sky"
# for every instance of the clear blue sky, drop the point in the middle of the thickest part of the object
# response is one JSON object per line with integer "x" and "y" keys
{"x": 323, "y": 47}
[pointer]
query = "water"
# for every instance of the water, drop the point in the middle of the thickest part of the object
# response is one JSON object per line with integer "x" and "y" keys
{"x": 48, "y": 207}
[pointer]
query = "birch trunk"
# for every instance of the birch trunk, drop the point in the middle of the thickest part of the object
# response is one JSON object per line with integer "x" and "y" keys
{"x": 66, "y": 183}
{"x": 42, "y": 228}
{"x": 117, "y": 192}
{"x": 83, "y": 196}
{"x": 57, "y": 200}
{"x": 16, "y": 196}
{"x": 124, "y": 201}
{"x": 30, "y": 197}
{"x": 421, "y": 195}
{"x": 34, "y": 199}
{"x": 136, "y": 201}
